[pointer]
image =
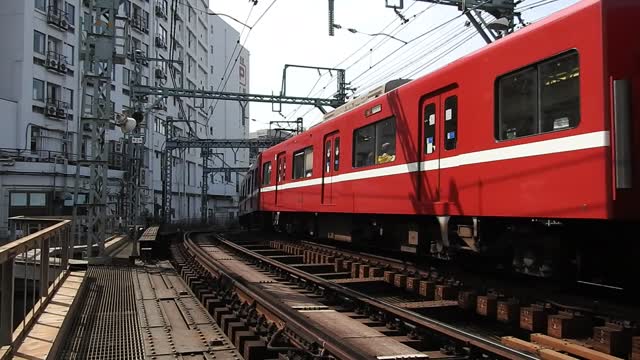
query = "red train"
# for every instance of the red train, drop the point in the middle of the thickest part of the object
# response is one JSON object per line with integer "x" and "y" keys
{"x": 524, "y": 151}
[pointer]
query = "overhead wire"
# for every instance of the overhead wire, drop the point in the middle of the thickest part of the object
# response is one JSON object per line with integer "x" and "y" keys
{"x": 171, "y": 44}
{"x": 224, "y": 73}
{"x": 372, "y": 39}
{"x": 235, "y": 61}
{"x": 411, "y": 61}
{"x": 407, "y": 57}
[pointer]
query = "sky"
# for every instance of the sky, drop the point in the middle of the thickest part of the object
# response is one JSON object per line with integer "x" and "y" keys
{"x": 296, "y": 32}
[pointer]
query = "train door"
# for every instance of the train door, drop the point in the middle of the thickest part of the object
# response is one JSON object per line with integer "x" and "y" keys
{"x": 281, "y": 162}
{"x": 331, "y": 165}
{"x": 440, "y": 134}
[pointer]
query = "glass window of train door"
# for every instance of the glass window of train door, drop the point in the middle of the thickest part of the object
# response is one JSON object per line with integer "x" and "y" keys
{"x": 429, "y": 128}
{"x": 336, "y": 155}
{"x": 450, "y": 122}
{"x": 327, "y": 154}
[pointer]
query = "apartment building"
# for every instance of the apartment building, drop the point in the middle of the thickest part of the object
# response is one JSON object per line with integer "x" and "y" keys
{"x": 40, "y": 100}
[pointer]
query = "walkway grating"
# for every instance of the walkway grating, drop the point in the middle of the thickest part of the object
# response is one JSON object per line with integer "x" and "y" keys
{"x": 107, "y": 326}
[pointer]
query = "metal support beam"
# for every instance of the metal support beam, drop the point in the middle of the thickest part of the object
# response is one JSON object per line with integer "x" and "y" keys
{"x": 228, "y": 96}
{"x": 213, "y": 170}
{"x": 6, "y": 303}
{"x": 205, "y": 186}
{"x": 185, "y": 143}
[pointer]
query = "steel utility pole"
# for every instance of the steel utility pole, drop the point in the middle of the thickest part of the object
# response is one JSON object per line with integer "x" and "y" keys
{"x": 103, "y": 43}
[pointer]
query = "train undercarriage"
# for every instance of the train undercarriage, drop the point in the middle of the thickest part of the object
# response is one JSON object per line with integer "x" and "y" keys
{"x": 588, "y": 252}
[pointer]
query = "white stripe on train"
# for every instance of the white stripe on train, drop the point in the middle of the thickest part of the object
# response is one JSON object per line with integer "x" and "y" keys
{"x": 565, "y": 144}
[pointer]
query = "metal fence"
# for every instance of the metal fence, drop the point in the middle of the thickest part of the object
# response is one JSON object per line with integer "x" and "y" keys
{"x": 32, "y": 267}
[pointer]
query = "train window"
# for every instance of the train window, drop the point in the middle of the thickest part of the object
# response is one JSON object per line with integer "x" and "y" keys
{"x": 375, "y": 143}
{"x": 450, "y": 122}
{"x": 539, "y": 99}
{"x": 303, "y": 163}
{"x": 517, "y": 99}
{"x": 266, "y": 173}
{"x": 336, "y": 155}
{"x": 560, "y": 93}
{"x": 430, "y": 128}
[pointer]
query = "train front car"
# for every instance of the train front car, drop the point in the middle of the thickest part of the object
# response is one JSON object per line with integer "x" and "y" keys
{"x": 519, "y": 154}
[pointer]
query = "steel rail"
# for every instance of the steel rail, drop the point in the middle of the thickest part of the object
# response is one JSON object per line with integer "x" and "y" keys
{"x": 290, "y": 317}
{"x": 411, "y": 317}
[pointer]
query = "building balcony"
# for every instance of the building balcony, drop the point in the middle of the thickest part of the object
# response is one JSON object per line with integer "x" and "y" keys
{"x": 56, "y": 62}
{"x": 140, "y": 23}
{"x": 57, "y": 109}
{"x": 57, "y": 17}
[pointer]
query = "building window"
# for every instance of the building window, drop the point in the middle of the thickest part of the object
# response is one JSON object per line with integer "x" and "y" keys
{"x": 162, "y": 32}
{"x": 35, "y": 135}
{"x": 266, "y": 173}
{"x": 450, "y": 122}
{"x": 18, "y": 199}
{"x": 54, "y": 92}
{"x": 125, "y": 76}
{"x": 38, "y": 90}
{"x": 67, "y": 96}
{"x": 541, "y": 98}
{"x": 40, "y": 4}
{"x": 375, "y": 143}
{"x": 303, "y": 163}
{"x": 68, "y": 52}
{"x": 37, "y": 199}
{"x": 71, "y": 14}
{"x": 39, "y": 40}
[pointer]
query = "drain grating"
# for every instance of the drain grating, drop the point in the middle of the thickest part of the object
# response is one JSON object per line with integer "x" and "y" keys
{"x": 107, "y": 325}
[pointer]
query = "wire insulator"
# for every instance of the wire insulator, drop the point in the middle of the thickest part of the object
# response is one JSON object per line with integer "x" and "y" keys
{"x": 331, "y": 17}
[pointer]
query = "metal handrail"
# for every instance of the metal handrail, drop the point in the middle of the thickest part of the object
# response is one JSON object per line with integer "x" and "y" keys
{"x": 48, "y": 248}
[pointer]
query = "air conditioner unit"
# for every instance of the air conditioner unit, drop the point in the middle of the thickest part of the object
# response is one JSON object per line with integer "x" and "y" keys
{"x": 51, "y": 110}
{"x": 64, "y": 23}
{"x": 52, "y": 63}
{"x": 160, "y": 42}
{"x": 62, "y": 67}
{"x": 160, "y": 74}
{"x": 61, "y": 113}
{"x": 160, "y": 11}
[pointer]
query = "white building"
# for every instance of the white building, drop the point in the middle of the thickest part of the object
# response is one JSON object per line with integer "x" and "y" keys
{"x": 40, "y": 104}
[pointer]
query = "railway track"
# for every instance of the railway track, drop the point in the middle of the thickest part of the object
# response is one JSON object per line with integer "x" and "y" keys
{"x": 274, "y": 309}
{"x": 558, "y": 321}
